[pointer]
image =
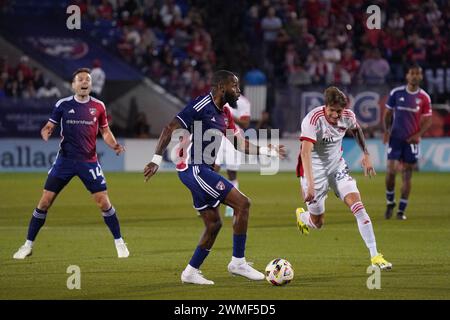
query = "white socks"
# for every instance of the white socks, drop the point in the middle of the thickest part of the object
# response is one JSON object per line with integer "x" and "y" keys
{"x": 306, "y": 219}
{"x": 29, "y": 243}
{"x": 119, "y": 241}
{"x": 190, "y": 269}
{"x": 235, "y": 260}
{"x": 365, "y": 227}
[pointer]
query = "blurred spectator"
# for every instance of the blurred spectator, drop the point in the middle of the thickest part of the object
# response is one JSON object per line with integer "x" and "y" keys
{"x": 349, "y": 63}
{"x": 374, "y": 68}
{"x": 318, "y": 67}
{"x": 97, "y": 78}
{"x": 48, "y": 91}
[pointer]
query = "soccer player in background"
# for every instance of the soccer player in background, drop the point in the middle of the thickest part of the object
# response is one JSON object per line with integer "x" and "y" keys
{"x": 321, "y": 166}
{"x": 208, "y": 188}
{"x": 407, "y": 117}
{"x": 81, "y": 117}
{"x": 228, "y": 155}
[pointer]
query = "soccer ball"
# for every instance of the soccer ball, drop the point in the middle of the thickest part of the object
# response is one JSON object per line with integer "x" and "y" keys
{"x": 279, "y": 272}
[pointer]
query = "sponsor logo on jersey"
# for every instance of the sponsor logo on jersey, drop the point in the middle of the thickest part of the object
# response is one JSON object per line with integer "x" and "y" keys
{"x": 71, "y": 111}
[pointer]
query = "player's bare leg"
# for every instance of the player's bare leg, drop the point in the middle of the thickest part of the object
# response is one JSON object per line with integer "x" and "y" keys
{"x": 407, "y": 171}
{"x": 238, "y": 265}
{"x": 232, "y": 176}
{"x": 213, "y": 224}
{"x": 36, "y": 223}
{"x": 353, "y": 201}
{"x": 390, "y": 187}
{"x": 110, "y": 217}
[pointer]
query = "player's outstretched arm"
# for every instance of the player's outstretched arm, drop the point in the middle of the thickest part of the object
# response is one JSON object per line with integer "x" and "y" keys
{"x": 245, "y": 146}
{"x": 164, "y": 140}
{"x": 111, "y": 141}
{"x": 47, "y": 130}
{"x": 366, "y": 162}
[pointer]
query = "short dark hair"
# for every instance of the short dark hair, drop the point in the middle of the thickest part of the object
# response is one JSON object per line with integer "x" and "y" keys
{"x": 413, "y": 66}
{"x": 220, "y": 77}
{"x": 334, "y": 96}
{"x": 80, "y": 70}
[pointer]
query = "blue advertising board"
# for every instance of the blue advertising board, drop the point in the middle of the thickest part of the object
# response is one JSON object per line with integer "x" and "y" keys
{"x": 34, "y": 155}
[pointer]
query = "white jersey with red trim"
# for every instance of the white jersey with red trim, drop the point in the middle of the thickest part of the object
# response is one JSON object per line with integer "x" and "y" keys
{"x": 243, "y": 110}
{"x": 327, "y": 138}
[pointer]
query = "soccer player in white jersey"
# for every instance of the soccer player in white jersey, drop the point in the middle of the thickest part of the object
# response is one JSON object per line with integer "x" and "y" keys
{"x": 227, "y": 154}
{"x": 321, "y": 166}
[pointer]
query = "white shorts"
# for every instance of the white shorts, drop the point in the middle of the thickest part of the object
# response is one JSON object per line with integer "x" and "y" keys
{"x": 339, "y": 181}
{"x": 229, "y": 156}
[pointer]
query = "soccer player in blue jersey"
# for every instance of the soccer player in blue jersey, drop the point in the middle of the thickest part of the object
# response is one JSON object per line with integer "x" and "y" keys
{"x": 80, "y": 117}
{"x": 407, "y": 118}
{"x": 206, "y": 116}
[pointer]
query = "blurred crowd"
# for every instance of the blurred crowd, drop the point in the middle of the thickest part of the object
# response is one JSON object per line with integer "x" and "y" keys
{"x": 167, "y": 40}
{"x": 21, "y": 80}
{"x": 327, "y": 41}
{"x": 297, "y": 42}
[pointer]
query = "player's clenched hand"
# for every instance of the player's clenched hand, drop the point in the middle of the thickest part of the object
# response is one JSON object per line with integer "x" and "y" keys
{"x": 366, "y": 163}
{"x": 149, "y": 170}
{"x": 414, "y": 139}
{"x": 118, "y": 148}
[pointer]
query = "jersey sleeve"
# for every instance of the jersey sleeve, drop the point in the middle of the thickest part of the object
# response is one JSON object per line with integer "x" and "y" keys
{"x": 102, "y": 117}
{"x": 57, "y": 113}
{"x": 187, "y": 116}
{"x": 308, "y": 131}
{"x": 390, "y": 103}
{"x": 426, "y": 106}
{"x": 351, "y": 119}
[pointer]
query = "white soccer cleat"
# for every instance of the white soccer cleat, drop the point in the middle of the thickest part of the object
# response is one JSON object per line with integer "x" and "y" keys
{"x": 246, "y": 270}
{"x": 23, "y": 252}
{"x": 122, "y": 250}
{"x": 195, "y": 277}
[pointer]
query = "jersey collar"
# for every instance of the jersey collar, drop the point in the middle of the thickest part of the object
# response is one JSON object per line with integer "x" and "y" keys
{"x": 75, "y": 98}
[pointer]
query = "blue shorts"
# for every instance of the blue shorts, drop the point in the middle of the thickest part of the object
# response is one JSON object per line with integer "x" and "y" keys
{"x": 403, "y": 151}
{"x": 208, "y": 188}
{"x": 63, "y": 170}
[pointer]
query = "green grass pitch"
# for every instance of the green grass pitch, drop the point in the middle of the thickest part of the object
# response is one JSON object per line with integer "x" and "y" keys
{"x": 162, "y": 230}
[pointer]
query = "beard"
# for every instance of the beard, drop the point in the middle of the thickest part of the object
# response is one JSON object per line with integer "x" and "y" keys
{"x": 231, "y": 100}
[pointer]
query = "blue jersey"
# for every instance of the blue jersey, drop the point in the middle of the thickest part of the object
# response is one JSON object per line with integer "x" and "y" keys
{"x": 207, "y": 124}
{"x": 408, "y": 107}
{"x": 79, "y": 127}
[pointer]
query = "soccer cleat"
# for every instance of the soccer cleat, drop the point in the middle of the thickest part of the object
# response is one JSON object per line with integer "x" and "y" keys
{"x": 23, "y": 252}
{"x": 302, "y": 227}
{"x": 246, "y": 270}
{"x": 122, "y": 250}
{"x": 194, "y": 277}
{"x": 380, "y": 262}
{"x": 229, "y": 212}
{"x": 389, "y": 209}
{"x": 401, "y": 216}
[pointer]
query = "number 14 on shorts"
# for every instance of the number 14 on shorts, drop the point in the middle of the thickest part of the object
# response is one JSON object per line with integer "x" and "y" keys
{"x": 96, "y": 173}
